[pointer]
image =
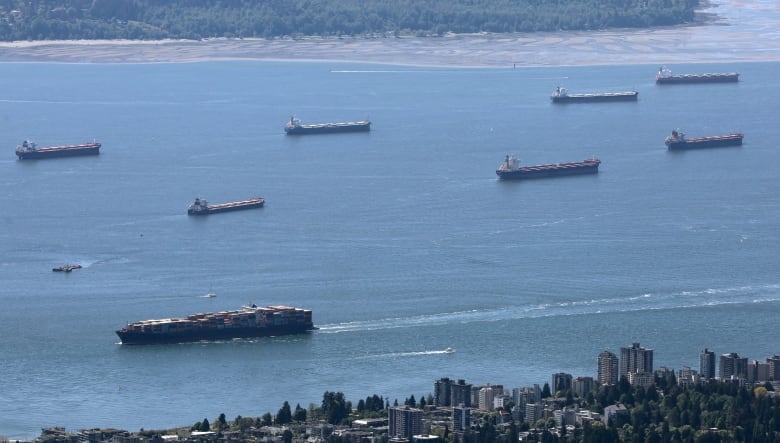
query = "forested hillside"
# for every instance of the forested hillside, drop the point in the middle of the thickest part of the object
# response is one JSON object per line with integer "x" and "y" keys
{"x": 197, "y": 19}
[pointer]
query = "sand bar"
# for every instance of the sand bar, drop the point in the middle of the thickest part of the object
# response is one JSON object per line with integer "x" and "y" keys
{"x": 727, "y": 31}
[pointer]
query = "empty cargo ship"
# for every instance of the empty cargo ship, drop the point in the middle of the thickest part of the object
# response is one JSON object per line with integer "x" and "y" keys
{"x": 295, "y": 127}
{"x": 665, "y": 77}
{"x": 201, "y": 207}
{"x": 561, "y": 95}
{"x": 511, "y": 169}
{"x": 30, "y": 151}
{"x": 678, "y": 141}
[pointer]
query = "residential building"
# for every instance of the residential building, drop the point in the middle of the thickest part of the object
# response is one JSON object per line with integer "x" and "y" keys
{"x": 460, "y": 393}
{"x": 774, "y": 367}
{"x": 707, "y": 364}
{"x": 757, "y": 372}
{"x": 404, "y": 422}
{"x": 732, "y": 366}
{"x": 561, "y": 381}
{"x": 635, "y": 359}
{"x": 582, "y": 385}
{"x": 442, "y": 392}
{"x": 608, "y": 369}
{"x": 461, "y": 418}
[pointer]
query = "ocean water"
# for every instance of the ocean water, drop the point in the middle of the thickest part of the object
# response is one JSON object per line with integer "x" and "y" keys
{"x": 401, "y": 240}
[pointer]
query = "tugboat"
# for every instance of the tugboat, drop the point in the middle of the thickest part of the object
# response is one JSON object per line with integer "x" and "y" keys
{"x": 561, "y": 95}
{"x": 678, "y": 141}
{"x": 511, "y": 169}
{"x": 295, "y": 127}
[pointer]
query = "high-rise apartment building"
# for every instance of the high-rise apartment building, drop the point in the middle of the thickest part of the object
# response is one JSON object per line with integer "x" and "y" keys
{"x": 707, "y": 364}
{"x": 442, "y": 392}
{"x": 404, "y": 421}
{"x": 635, "y": 359}
{"x": 732, "y": 366}
{"x": 608, "y": 369}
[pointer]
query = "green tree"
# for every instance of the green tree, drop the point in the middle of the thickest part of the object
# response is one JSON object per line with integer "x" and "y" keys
{"x": 284, "y": 415}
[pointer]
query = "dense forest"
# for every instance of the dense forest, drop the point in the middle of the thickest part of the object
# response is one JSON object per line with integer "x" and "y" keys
{"x": 198, "y": 19}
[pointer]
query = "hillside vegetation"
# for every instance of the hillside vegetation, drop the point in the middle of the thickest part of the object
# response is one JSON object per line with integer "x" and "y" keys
{"x": 197, "y": 19}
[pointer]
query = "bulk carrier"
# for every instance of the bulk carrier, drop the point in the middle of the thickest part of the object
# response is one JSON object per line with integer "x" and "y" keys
{"x": 665, "y": 77}
{"x": 561, "y": 95}
{"x": 295, "y": 127}
{"x": 511, "y": 169}
{"x": 202, "y": 207}
{"x": 30, "y": 151}
{"x": 678, "y": 141}
{"x": 247, "y": 322}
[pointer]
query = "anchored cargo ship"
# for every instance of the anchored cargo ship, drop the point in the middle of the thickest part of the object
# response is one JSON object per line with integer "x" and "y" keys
{"x": 295, "y": 127}
{"x": 678, "y": 141}
{"x": 511, "y": 169}
{"x": 561, "y": 95}
{"x": 29, "y": 150}
{"x": 67, "y": 268}
{"x": 247, "y": 322}
{"x": 665, "y": 77}
{"x": 201, "y": 207}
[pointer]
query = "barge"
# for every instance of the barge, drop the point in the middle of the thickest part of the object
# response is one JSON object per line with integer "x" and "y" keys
{"x": 511, "y": 169}
{"x": 202, "y": 207}
{"x": 28, "y": 150}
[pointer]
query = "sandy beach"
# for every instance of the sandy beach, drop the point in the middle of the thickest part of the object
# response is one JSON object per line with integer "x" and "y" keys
{"x": 727, "y": 31}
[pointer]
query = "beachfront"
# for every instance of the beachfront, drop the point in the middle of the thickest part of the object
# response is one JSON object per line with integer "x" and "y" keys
{"x": 728, "y": 31}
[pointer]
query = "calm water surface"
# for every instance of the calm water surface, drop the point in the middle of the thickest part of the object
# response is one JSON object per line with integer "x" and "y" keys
{"x": 401, "y": 240}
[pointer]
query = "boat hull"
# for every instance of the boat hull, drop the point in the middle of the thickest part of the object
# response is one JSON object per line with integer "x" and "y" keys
{"x": 545, "y": 171}
{"x": 61, "y": 151}
{"x": 590, "y": 98}
{"x": 706, "y": 142}
{"x": 227, "y": 207}
{"x": 698, "y": 78}
{"x": 227, "y": 333}
{"x": 328, "y": 128}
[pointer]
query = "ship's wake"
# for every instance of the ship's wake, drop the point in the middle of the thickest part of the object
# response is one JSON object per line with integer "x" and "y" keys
{"x": 740, "y": 295}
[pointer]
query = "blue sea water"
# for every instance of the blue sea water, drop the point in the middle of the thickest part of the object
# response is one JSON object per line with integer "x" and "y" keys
{"x": 401, "y": 240}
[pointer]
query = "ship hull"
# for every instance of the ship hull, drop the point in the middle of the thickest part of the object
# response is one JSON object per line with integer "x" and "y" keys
{"x": 705, "y": 142}
{"x": 227, "y": 333}
{"x": 698, "y": 78}
{"x": 545, "y": 171}
{"x": 65, "y": 151}
{"x": 227, "y": 207}
{"x": 328, "y": 128}
{"x": 590, "y": 98}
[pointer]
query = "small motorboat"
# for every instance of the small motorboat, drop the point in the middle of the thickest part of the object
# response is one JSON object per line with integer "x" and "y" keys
{"x": 66, "y": 268}
{"x": 449, "y": 350}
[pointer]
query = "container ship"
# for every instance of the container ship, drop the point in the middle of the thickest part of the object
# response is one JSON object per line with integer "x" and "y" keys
{"x": 678, "y": 141}
{"x": 294, "y": 127}
{"x": 511, "y": 169}
{"x": 201, "y": 206}
{"x": 247, "y": 322}
{"x": 30, "y": 151}
{"x": 561, "y": 95}
{"x": 665, "y": 77}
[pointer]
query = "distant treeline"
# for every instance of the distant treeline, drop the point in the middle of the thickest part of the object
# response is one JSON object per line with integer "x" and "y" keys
{"x": 198, "y": 19}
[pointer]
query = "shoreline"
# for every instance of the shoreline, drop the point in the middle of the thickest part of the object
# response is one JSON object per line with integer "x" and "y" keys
{"x": 725, "y": 31}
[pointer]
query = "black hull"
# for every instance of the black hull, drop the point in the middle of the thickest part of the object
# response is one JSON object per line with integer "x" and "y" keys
{"x": 693, "y": 144}
{"x": 228, "y": 333}
{"x": 595, "y": 98}
{"x": 330, "y": 128}
{"x": 44, "y": 153}
{"x": 698, "y": 78}
{"x": 524, "y": 174}
{"x": 217, "y": 208}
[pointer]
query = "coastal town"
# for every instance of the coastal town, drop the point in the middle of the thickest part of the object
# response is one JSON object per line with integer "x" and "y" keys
{"x": 728, "y": 398}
